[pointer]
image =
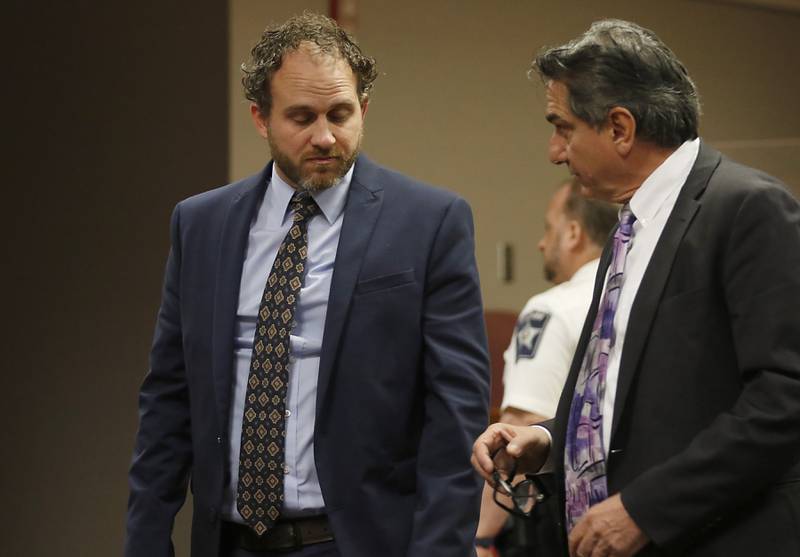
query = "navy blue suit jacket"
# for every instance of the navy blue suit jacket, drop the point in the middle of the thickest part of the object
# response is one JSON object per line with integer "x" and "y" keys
{"x": 403, "y": 379}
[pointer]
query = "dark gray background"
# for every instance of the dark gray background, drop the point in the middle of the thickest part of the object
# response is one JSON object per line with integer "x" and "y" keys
{"x": 113, "y": 112}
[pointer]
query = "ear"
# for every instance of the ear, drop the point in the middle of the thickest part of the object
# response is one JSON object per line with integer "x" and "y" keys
{"x": 571, "y": 238}
{"x": 622, "y": 126}
{"x": 364, "y": 107}
{"x": 259, "y": 120}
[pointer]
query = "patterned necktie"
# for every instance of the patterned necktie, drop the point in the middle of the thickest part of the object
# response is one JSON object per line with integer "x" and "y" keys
{"x": 585, "y": 457}
{"x": 261, "y": 461}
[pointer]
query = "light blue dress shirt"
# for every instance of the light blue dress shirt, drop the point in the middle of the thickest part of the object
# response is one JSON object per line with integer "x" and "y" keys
{"x": 302, "y": 494}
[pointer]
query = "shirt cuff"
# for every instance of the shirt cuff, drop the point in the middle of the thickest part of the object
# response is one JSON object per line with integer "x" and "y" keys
{"x": 548, "y": 465}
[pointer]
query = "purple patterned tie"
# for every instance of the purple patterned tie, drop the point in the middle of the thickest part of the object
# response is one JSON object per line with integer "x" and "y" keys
{"x": 585, "y": 456}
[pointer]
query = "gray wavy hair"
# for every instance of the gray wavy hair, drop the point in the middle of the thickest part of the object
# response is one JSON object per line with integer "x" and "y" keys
{"x": 618, "y": 63}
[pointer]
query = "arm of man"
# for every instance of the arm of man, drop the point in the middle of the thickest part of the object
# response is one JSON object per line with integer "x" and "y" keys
{"x": 159, "y": 472}
{"x": 456, "y": 381}
{"x": 537, "y": 362}
{"x": 493, "y": 517}
{"x": 747, "y": 448}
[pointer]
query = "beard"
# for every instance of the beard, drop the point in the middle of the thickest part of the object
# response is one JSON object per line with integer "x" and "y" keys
{"x": 552, "y": 262}
{"x": 549, "y": 273}
{"x": 306, "y": 177}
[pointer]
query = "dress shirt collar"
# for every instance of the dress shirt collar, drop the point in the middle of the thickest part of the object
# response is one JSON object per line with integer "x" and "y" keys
{"x": 331, "y": 201}
{"x": 665, "y": 182}
{"x": 587, "y": 271}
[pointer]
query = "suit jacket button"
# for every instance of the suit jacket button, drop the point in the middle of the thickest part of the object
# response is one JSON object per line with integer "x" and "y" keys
{"x": 219, "y": 440}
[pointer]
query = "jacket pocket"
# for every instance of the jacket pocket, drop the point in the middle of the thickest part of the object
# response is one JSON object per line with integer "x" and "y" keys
{"x": 385, "y": 282}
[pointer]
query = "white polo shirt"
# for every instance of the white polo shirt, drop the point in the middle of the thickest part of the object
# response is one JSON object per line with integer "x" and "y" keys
{"x": 544, "y": 341}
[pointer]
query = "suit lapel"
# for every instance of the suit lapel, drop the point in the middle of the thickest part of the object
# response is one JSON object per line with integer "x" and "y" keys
{"x": 232, "y": 247}
{"x": 565, "y": 402}
{"x": 361, "y": 211}
{"x": 650, "y": 290}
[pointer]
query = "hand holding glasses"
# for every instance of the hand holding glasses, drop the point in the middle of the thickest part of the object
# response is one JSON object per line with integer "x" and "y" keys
{"x": 524, "y": 494}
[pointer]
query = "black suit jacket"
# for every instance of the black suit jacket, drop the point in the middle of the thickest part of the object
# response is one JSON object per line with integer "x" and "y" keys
{"x": 403, "y": 378}
{"x": 706, "y": 430}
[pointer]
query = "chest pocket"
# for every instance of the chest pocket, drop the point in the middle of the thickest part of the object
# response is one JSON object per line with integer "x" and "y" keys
{"x": 385, "y": 282}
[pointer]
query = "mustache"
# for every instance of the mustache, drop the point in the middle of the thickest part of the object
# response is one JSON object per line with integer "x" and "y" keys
{"x": 318, "y": 153}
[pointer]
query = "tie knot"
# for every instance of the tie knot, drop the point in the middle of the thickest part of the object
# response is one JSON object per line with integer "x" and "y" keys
{"x": 303, "y": 206}
{"x": 626, "y": 220}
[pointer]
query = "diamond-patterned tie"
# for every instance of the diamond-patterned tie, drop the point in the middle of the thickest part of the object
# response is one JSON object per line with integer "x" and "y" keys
{"x": 261, "y": 461}
{"x": 585, "y": 456}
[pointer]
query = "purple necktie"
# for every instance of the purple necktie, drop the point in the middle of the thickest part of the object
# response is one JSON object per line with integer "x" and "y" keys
{"x": 585, "y": 456}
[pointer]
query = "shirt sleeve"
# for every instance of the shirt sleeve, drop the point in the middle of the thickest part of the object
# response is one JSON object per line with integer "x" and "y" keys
{"x": 537, "y": 360}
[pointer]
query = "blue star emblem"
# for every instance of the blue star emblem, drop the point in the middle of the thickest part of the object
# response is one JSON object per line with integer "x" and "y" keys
{"x": 529, "y": 330}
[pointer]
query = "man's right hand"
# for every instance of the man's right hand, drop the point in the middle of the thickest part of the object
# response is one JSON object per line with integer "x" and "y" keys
{"x": 529, "y": 446}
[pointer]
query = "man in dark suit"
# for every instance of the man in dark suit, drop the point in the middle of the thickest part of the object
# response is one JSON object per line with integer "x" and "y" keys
{"x": 678, "y": 431}
{"x": 332, "y": 411}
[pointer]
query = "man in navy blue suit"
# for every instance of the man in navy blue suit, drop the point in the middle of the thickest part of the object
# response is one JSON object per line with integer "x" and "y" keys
{"x": 387, "y": 366}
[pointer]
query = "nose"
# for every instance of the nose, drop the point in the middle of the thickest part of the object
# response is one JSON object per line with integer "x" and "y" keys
{"x": 540, "y": 245}
{"x": 322, "y": 137}
{"x": 557, "y": 150}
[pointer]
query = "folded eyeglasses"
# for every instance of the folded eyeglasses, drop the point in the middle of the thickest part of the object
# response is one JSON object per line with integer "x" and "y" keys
{"x": 524, "y": 495}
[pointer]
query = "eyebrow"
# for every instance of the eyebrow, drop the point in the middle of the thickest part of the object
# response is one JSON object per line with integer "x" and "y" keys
{"x": 307, "y": 107}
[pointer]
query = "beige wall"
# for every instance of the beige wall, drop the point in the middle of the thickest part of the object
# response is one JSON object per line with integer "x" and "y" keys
{"x": 453, "y": 106}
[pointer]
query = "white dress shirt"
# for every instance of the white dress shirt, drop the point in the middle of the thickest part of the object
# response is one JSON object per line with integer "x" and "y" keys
{"x": 651, "y": 204}
{"x": 302, "y": 494}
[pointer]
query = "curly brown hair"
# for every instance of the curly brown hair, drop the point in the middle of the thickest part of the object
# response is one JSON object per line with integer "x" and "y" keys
{"x": 267, "y": 55}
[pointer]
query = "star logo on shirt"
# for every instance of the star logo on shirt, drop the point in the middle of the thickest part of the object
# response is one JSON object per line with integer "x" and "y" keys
{"x": 529, "y": 330}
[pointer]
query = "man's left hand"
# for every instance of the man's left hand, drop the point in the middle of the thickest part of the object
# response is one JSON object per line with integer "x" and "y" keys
{"x": 607, "y": 530}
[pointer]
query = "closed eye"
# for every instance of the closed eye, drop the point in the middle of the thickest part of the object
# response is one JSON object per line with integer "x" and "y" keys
{"x": 301, "y": 116}
{"x": 340, "y": 114}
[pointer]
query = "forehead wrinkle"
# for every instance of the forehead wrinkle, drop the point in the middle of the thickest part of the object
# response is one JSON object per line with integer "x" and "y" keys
{"x": 302, "y": 83}
{"x": 308, "y": 79}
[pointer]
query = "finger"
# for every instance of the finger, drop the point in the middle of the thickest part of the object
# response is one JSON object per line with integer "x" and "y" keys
{"x": 479, "y": 468}
{"x": 507, "y": 434}
{"x": 517, "y": 447}
{"x": 601, "y": 548}
{"x": 481, "y": 454}
{"x": 503, "y": 461}
{"x": 576, "y": 537}
{"x": 586, "y": 546}
{"x": 514, "y": 442}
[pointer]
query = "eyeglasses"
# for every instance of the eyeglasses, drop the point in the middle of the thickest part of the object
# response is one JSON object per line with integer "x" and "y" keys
{"x": 524, "y": 495}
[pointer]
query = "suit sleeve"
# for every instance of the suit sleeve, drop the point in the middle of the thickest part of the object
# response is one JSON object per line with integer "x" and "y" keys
{"x": 456, "y": 372}
{"x": 159, "y": 471}
{"x": 749, "y": 447}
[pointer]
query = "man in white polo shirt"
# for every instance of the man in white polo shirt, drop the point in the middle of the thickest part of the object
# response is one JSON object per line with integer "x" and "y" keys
{"x": 537, "y": 359}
